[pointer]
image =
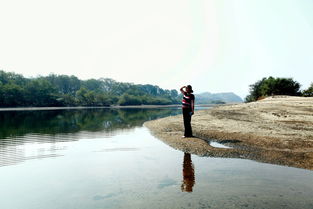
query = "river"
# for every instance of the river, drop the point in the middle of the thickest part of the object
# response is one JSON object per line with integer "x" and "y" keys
{"x": 106, "y": 158}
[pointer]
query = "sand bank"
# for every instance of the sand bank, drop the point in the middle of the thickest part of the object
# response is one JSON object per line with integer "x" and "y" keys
{"x": 276, "y": 130}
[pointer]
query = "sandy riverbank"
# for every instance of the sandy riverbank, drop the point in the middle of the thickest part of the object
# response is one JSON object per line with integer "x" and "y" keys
{"x": 276, "y": 130}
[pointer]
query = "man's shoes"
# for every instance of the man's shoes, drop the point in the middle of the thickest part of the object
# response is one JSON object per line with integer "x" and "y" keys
{"x": 187, "y": 136}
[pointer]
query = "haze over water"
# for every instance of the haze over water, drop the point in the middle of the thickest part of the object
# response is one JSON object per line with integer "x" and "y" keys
{"x": 105, "y": 158}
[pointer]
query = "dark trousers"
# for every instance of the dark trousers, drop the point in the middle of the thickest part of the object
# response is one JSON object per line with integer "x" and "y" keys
{"x": 187, "y": 122}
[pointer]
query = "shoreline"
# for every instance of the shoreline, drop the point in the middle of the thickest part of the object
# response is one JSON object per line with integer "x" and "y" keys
{"x": 98, "y": 107}
{"x": 276, "y": 130}
{"x": 85, "y": 107}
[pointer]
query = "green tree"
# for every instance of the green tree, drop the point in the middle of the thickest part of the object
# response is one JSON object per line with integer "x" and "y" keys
{"x": 64, "y": 84}
{"x": 67, "y": 100}
{"x": 81, "y": 96}
{"x": 127, "y": 99}
{"x": 14, "y": 78}
{"x": 40, "y": 93}
{"x": 103, "y": 100}
{"x": 63, "y": 90}
{"x": 273, "y": 86}
{"x": 11, "y": 95}
{"x": 308, "y": 92}
{"x": 92, "y": 84}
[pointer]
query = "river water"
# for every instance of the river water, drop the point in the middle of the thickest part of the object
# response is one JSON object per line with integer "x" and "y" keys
{"x": 105, "y": 158}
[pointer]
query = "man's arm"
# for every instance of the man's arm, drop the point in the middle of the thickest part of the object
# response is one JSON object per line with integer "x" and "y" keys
{"x": 182, "y": 90}
{"x": 193, "y": 106}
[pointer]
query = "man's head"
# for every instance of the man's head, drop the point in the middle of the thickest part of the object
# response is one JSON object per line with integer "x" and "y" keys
{"x": 189, "y": 89}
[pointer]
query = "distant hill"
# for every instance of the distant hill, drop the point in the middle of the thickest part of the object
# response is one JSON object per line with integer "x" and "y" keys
{"x": 217, "y": 98}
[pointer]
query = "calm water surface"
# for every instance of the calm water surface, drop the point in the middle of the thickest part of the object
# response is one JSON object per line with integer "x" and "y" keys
{"x": 96, "y": 159}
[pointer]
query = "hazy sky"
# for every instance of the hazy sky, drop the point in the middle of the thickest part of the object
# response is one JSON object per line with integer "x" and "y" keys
{"x": 214, "y": 45}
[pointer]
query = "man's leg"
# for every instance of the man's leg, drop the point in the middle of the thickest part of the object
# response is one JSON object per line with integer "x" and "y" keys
{"x": 189, "y": 129}
{"x": 187, "y": 120}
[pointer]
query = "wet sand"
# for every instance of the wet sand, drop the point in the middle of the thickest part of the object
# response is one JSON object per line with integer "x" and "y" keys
{"x": 276, "y": 130}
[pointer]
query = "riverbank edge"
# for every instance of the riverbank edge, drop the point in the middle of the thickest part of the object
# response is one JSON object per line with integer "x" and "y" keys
{"x": 98, "y": 107}
{"x": 265, "y": 141}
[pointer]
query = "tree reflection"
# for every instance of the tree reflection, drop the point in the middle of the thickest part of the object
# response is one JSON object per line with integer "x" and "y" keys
{"x": 18, "y": 128}
{"x": 20, "y": 123}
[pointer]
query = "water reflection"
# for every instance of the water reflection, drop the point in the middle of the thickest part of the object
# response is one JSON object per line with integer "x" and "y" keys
{"x": 188, "y": 174}
{"x": 135, "y": 170}
{"x": 20, "y": 123}
{"x": 28, "y": 135}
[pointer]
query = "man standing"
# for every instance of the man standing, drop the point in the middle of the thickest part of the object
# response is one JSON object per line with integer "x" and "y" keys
{"x": 188, "y": 106}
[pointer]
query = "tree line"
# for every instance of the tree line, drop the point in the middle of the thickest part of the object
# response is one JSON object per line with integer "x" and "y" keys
{"x": 64, "y": 90}
{"x": 276, "y": 86}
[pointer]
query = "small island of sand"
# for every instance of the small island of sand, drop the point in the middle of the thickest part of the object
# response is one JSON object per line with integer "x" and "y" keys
{"x": 276, "y": 130}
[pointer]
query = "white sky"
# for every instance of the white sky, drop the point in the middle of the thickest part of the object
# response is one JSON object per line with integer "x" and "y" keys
{"x": 214, "y": 45}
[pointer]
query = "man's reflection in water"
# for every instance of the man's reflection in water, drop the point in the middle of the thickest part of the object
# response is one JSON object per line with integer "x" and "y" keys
{"x": 188, "y": 174}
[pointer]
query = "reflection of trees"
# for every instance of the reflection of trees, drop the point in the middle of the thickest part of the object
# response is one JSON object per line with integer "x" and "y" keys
{"x": 188, "y": 174}
{"x": 22, "y": 127}
{"x": 19, "y": 123}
